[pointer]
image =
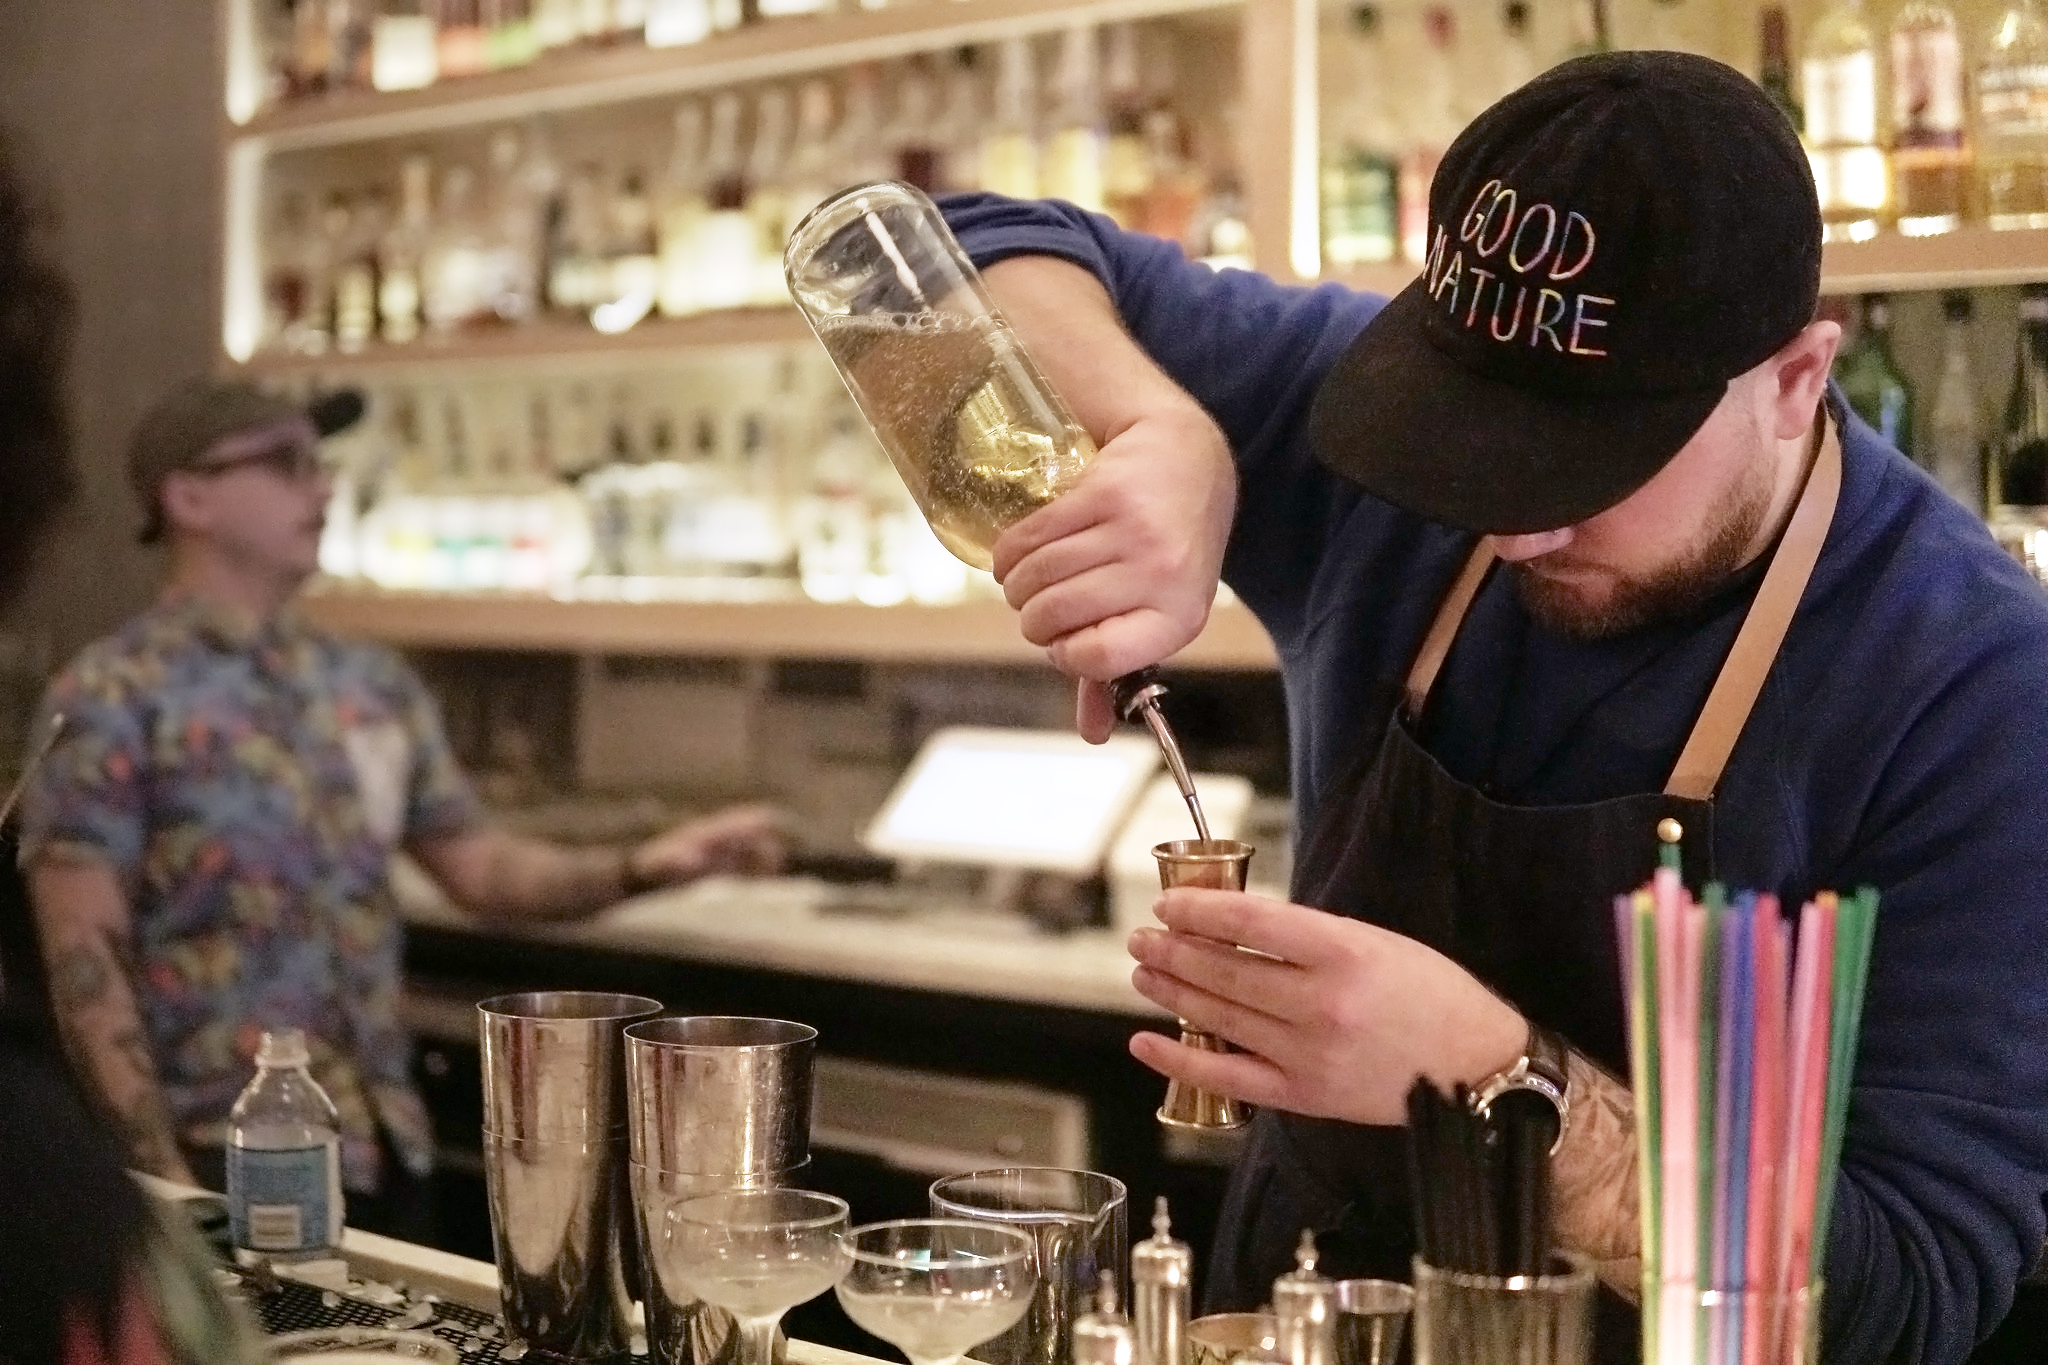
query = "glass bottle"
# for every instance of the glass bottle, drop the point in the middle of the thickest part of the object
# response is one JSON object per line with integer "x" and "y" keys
{"x": 510, "y": 38}
{"x": 961, "y": 124}
{"x": 629, "y": 20}
{"x": 1435, "y": 124}
{"x": 556, "y": 24}
{"x": 354, "y": 278}
{"x": 1930, "y": 144}
{"x": 1071, "y": 165}
{"x": 680, "y": 206}
{"x": 284, "y": 1157}
{"x": 459, "y": 34}
{"x": 351, "y": 29}
{"x": 2018, "y": 491}
{"x": 677, "y": 23}
{"x": 1009, "y": 148}
{"x": 1955, "y": 455}
{"x": 1838, "y": 87}
{"x": 405, "y": 47}
{"x": 1871, "y": 379}
{"x": 458, "y": 268}
{"x": 811, "y": 175}
{"x": 1126, "y": 162}
{"x": 1774, "y": 69}
{"x": 858, "y": 152}
{"x": 728, "y": 246}
{"x": 1515, "y": 63}
{"x": 1359, "y": 208}
{"x": 769, "y": 204}
{"x": 576, "y": 269}
{"x": 290, "y": 269}
{"x": 515, "y": 220}
{"x": 912, "y": 138}
{"x": 632, "y": 265}
{"x": 2012, "y": 119}
{"x": 1591, "y": 30}
{"x": 404, "y": 254}
{"x": 1176, "y": 185}
{"x": 832, "y": 521}
{"x": 312, "y": 49}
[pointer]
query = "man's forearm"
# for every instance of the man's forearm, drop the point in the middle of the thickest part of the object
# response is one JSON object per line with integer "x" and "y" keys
{"x": 1596, "y": 1177}
{"x": 509, "y": 877}
{"x": 101, "y": 1028}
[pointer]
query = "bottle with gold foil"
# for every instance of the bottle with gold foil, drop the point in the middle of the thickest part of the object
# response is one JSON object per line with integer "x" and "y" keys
{"x": 1838, "y": 88}
{"x": 2012, "y": 119}
{"x": 1930, "y": 143}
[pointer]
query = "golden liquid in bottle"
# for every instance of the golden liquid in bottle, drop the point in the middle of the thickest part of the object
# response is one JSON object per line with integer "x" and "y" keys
{"x": 967, "y": 419}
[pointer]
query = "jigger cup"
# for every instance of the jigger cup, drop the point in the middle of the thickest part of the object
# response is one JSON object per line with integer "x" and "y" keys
{"x": 555, "y": 1167}
{"x": 1220, "y": 865}
{"x": 716, "y": 1103}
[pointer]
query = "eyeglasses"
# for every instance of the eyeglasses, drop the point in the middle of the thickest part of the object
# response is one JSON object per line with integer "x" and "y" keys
{"x": 294, "y": 462}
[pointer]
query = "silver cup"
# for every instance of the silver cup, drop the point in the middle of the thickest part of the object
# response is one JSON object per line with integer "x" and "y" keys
{"x": 555, "y": 1167}
{"x": 720, "y": 1095}
{"x": 715, "y": 1103}
{"x": 1079, "y": 1223}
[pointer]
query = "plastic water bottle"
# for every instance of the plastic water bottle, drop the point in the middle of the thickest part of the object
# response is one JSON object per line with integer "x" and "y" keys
{"x": 284, "y": 1158}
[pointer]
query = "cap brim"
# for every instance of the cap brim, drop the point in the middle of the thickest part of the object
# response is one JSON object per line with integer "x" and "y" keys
{"x": 1413, "y": 427}
{"x": 336, "y": 411}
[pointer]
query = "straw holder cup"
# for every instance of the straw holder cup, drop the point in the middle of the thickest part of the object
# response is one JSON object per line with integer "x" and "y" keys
{"x": 715, "y": 1103}
{"x": 555, "y": 1167}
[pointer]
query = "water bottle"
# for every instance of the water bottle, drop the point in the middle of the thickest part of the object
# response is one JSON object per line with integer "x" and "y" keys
{"x": 284, "y": 1158}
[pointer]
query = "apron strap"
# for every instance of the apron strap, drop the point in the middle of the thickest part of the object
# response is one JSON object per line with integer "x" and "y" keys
{"x": 1735, "y": 690}
{"x": 1698, "y": 770}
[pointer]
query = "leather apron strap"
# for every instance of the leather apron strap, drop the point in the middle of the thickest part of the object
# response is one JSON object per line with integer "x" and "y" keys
{"x": 1700, "y": 763}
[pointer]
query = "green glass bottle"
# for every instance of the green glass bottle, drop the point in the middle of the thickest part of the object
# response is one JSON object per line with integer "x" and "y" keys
{"x": 1871, "y": 379}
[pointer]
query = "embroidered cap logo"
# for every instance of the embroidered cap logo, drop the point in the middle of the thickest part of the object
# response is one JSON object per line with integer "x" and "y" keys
{"x": 1519, "y": 256}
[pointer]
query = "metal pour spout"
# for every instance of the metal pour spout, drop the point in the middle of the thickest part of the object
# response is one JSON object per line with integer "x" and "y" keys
{"x": 1136, "y": 699}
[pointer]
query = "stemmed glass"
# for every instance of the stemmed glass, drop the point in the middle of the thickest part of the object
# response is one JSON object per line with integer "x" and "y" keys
{"x": 757, "y": 1254}
{"x": 935, "y": 1288}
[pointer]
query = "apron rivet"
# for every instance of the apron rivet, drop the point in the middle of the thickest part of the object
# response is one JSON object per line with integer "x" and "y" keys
{"x": 1669, "y": 830}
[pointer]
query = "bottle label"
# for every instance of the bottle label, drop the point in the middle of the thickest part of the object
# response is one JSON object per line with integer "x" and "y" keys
{"x": 1927, "y": 88}
{"x": 284, "y": 1200}
{"x": 2013, "y": 99}
{"x": 1841, "y": 99}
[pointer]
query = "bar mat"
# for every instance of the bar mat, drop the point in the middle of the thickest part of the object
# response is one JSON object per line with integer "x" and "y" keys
{"x": 296, "y": 1307}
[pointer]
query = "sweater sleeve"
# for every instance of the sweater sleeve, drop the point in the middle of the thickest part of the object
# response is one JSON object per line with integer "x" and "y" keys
{"x": 1939, "y": 1204}
{"x": 1249, "y": 350}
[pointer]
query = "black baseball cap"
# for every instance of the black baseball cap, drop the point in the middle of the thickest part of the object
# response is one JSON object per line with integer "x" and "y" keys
{"x": 1609, "y": 245}
{"x": 192, "y": 420}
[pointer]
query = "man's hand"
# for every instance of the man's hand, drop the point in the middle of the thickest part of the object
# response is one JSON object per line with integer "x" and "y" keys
{"x": 741, "y": 840}
{"x": 1336, "y": 1018}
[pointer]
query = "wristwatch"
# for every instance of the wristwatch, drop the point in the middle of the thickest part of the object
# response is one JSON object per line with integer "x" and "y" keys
{"x": 1539, "y": 1071}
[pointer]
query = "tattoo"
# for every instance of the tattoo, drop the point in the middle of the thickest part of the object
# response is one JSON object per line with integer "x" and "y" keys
{"x": 81, "y": 976}
{"x": 1598, "y": 1187}
{"x": 92, "y": 996}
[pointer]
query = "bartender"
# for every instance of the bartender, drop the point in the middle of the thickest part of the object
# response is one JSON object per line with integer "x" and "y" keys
{"x": 1567, "y": 543}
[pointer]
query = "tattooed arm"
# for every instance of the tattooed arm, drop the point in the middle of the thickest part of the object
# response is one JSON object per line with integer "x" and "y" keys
{"x": 82, "y": 918}
{"x": 1596, "y": 1179}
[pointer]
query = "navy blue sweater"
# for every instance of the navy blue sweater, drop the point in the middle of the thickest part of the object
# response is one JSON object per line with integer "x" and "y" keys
{"x": 1900, "y": 741}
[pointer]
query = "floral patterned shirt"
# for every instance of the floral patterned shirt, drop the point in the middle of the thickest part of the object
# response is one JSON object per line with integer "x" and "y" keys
{"x": 248, "y": 782}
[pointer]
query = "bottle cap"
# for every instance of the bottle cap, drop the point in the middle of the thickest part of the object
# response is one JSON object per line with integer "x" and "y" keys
{"x": 1103, "y": 1337}
{"x": 1305, "y": 1303}
{"x": 285, "y": 1047}
{"x": 1161, "y": 1259}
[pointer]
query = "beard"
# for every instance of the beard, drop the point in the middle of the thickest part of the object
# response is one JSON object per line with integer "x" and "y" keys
{"x": 1670, "y": 592}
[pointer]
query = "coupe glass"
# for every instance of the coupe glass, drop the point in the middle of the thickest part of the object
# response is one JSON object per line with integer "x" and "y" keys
{"x": 757, "y": 1254}
{"x": 935, "y": 1288}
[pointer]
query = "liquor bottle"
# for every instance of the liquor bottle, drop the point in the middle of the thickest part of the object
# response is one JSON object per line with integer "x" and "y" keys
{"x": 911, "y": 138}
{"x": 769, "y": 204}
{"x": 809, "y": 176}
{"x": 510, "y": 39}
{"x": 1871, "y": 379}
{"x": 403, "y": 255}
{"x": 594, "y": 21}
{"x": 459, "y": 35}
{"x": 290, "y": 268}
{"x": 1955, "y": 455}
{"x": 678, "y": 23}
{"x": 556, "y": 24}
{"x": 2012, "y": 119}
{"x": 728, "y": 247}
{"x": 405, "y": 47}
{"x": 1774, "y": 70}
{"x": 1126, "y": 162}
{"x": 1219, "y": 234}
{"x": 515, "y": 213}
{"x": 1177, "y": 184}
{"x": 284, "y": 1157}
{"x": 1930, "y": 146}
{"x": 858, "y": 153}
{"x": 1591, "y": 30}
{"x": 457, "y": 263}
{"x": 1434, "y": 124}
{"x": 351, "y": 31}
{"x": 632, "y": 264}
{"x": 355, "y": 273}
{"x": 1838, "y": 88}
{"x": 1359, "y": 210}
{"x": 629, "y": 20}
{"x": 577, "y": 278}
{"x": 680, "y": 208}
{"x": 960, "y": 124}
{"x": 1009, "y": 147}
{"x": 1071, "y": 165}
{"x": 2021, "y": 475}
{"x": 832, "y": 521}
{"x": 1515, "y": 63}
{"x": 312, "y": 49}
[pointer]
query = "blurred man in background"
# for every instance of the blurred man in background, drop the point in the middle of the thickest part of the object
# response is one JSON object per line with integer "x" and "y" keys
{"x": 209, "y": 844}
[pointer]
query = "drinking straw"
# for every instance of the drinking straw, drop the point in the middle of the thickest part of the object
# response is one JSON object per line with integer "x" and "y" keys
{"x": 1856, "y": 929}
{"x": 1640, "y": 990}
{"x": 1806, "y": 1093}
{"x": 1772, "y": 952}
{"x": 1734, "y": 1104}
{"x": 1427, "y": 1241}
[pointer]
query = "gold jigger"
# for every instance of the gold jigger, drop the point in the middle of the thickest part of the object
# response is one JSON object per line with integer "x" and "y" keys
{"x": 1220, "y": 865}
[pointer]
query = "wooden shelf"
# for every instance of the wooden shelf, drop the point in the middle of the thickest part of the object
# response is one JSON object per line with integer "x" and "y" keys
{"x": 1973, "y": 257}
{"x": 548, "y": 341}
{"x": 971, "y": 632}
{"x": 778, "y": 48}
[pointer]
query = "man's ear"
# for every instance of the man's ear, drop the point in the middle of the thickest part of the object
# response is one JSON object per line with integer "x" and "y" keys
{"x": 184, "y": 501}
{"x": 1802, "y": 366}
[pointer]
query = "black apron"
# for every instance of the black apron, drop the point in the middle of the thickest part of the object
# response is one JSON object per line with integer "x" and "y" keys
{"x": 1520, "y": 896}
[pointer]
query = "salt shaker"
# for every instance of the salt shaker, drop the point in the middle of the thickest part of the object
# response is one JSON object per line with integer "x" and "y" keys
{"x": 1103, "y": 1337}
{"x": 1162, "y": 1272}
{"x": 1305, "y": 1305}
